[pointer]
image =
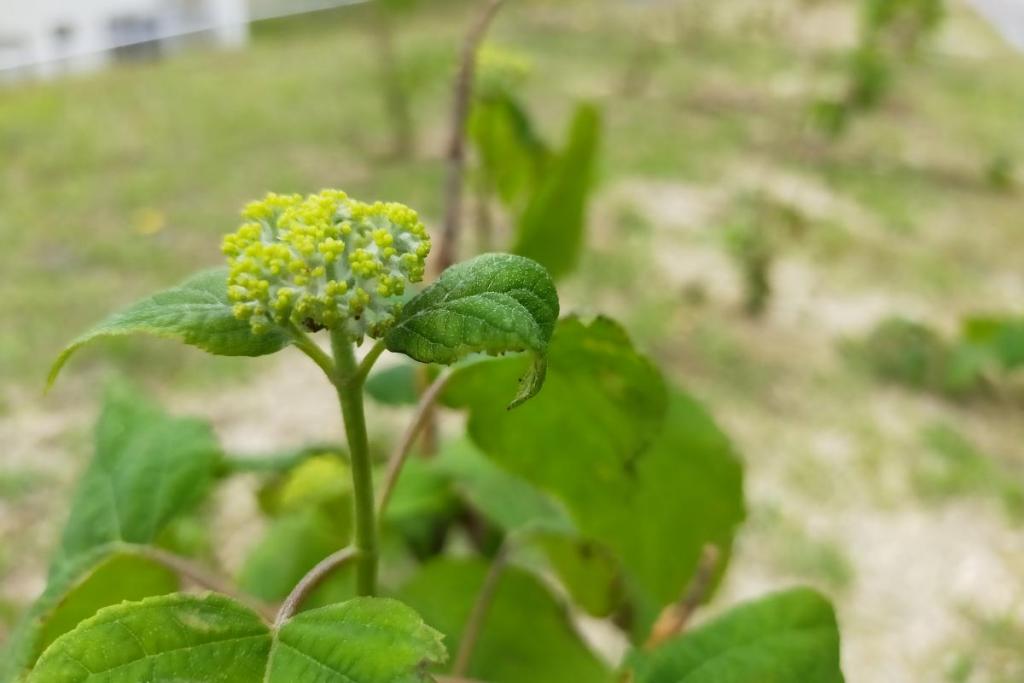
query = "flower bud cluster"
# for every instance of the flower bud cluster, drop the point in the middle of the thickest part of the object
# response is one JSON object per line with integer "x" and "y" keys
{"x": 324, "y": 261}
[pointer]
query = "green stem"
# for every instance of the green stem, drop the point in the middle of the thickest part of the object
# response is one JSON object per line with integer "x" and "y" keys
{"x": 304, "y": 343}
{"x": 368, "y": 361}
{"x": 349, "y": 383}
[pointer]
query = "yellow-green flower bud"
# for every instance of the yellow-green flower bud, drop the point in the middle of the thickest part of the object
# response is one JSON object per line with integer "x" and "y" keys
{"x": 500, "y": 71}
{"x": 324, "y": 261}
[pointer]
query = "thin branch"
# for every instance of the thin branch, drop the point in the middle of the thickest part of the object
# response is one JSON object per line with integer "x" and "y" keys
{"x": 475, "y": 622}
{"x": 304, "y": 343}
{"x": 428, "y": 433}
{"x": 401, "y": 451}
{"x": 462, "y": 99}
{"x": 200, "y": 576}
{"x": 396, "y": 99}
{"x": 311, "y": 581}
{"x": 453, "y": 679}
{"x": 674, "y": 618}
{"x": 368, "y": 361}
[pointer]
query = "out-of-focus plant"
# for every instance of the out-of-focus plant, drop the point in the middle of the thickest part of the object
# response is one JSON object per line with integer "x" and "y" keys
{"x": 756, "y": 229}
{"x": 905, "y": 352}
{"x": 387, "y": 14}
{"x": 545, "y": 191}
{"x": 956, "y": 467}
{"x": 911, "y": 353}
{"x": 616, "y": 485}
{"x": 1000, "y": 173}
{"x": 510, "y": 153}
{"x": 891, "y": 31}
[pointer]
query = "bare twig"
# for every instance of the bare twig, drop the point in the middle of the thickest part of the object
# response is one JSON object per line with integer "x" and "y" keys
{"x": 311, "y": 581}
{"x": 396, "y": 99}
{"x": 201, "y": 576}
{"x": 404, "y": 445}
{"x": 429, "y": 430}
{"x": 475, "y": 622}
{"x": 462, "y": 99}
{"x": 674, "y": 618}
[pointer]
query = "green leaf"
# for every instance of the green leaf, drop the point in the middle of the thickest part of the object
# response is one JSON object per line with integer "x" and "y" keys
{"x": 149, "y": 468}
{"x": 106, "y": 576}
{"x": 114, "y": 578}
{"x": 322, "y": 481}
{"x": 166, "y": 638}
{"x": 613, "y": 458}
{"x": 290, "y": 547}
{"x": 505, "y": 499}
{"x": 789, "y": 637}
{"x": 512, "y": 155}
{"x": 312, "y": 509}
{"x": 196, "y": 312}
{"x": 364, "y": 640}
{"x": 422, "y": 507}
{"x": 397, "y": 385}
{"x": 494, "y": 303}
{"x": 588, "y": 570}
{"x": 527, "y": 636}
{"x": 212, "y": 638}
{"x": 1003, "y": 337}
{"x": 551, "y": 228}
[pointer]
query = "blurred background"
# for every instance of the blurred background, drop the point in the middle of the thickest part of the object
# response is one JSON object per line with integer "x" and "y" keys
{"x": 810, "y": 212}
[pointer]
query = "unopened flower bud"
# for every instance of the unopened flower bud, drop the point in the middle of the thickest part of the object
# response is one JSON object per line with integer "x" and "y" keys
{"x": 324, "y": 261}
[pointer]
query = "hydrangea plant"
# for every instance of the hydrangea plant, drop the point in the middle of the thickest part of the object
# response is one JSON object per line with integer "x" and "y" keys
{"x": 594, "y": 463}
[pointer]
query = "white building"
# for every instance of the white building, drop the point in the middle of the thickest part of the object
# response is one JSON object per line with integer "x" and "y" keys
{"x": 50, "y": 37}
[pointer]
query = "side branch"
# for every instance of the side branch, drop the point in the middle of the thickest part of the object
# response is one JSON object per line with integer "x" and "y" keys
{"x": 189, "y": 570}
{"x": 475, "y": 622}
{"x": 311, "y": 581}
{"x": 674, "y": 618}
{"x": 303, "y": 342}
{"x": 404, "y": 445}
{"x": 462, "y": 99}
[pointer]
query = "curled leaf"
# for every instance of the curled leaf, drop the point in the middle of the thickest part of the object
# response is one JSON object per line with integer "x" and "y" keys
{"x": 494, "y": 304}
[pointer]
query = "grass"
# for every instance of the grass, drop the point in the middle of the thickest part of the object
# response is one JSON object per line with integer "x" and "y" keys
{"x": 122, "y": 182}
{"x": 954, "y": 467}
